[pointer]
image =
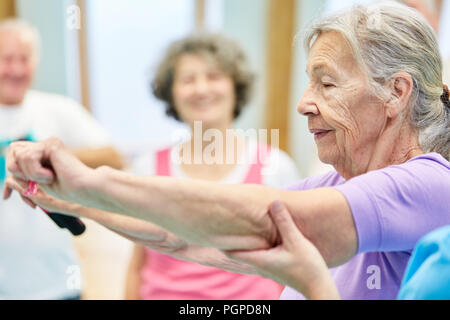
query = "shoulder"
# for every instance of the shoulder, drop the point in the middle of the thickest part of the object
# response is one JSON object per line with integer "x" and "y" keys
{"x": 51, "y": 100}
{"x": 282, "y": 161}
{"x": 279, "y": 169}
{"x": 428, "y": 172}
{"x": 425, "y": 178}
{"x": 57, "y": 115}
{"x": 427, "y": 169}
{"x": 144, "y": 162}
{"x": 412, "y": 194}
{"x": 433, "y": 161}
{"x": 328, "y": 179}
{"x": 56, "y": 105}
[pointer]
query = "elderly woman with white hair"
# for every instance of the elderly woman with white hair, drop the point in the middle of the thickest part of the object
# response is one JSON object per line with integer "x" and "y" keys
{"x": 379, "y": 113}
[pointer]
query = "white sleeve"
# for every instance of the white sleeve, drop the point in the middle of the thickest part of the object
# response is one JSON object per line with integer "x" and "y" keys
{"x": 280, "y": 170}
{"x": 79, "y": 129}
{"x": 144, "y": 165}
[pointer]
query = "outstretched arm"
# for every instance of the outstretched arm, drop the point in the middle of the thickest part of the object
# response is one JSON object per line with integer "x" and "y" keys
{"x": 141, "y": 232}
{"x": 227, "y": 217}
{"x": 230, "y": 216}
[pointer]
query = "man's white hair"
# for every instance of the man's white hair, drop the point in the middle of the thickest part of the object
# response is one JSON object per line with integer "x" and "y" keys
{"x": 387, "y": 38}
{"x": 24, "y": 30}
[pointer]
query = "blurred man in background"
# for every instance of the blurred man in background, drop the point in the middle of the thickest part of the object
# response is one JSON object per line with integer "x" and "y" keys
{"x": 432, "y": 11}
{"x": 37, "y": 259}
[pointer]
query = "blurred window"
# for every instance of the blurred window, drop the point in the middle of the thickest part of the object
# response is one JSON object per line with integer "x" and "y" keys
{"x": 126, "y": 41}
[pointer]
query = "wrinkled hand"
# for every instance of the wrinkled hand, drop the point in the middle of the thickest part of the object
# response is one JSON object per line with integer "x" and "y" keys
{"x": 52, "y": 165}
{"x": 40, "y": 199}
{"x": 295, "y": 261}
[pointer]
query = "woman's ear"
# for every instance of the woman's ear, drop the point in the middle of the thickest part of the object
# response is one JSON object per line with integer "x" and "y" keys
{"x": 400, "y": 87}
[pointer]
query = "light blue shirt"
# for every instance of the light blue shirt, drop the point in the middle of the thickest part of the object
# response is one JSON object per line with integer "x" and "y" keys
{"x": 427, "y": 276}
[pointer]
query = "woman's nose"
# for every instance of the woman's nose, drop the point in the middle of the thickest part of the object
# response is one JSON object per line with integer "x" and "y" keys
{"x": 201, "y": 86}
{"x": 307, "y": 104}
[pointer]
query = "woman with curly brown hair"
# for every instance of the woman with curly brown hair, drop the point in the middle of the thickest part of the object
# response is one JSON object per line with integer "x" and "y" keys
{"x": 205, "y": 81}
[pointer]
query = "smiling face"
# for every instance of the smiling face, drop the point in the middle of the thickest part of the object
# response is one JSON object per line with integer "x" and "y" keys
{"x": 17, "y": 66}
{"x": 345, "y": 118}
{"x": 203, "y": 92}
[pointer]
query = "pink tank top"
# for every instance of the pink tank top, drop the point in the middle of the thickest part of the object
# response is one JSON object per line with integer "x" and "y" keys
{"x": 166, "y": 278}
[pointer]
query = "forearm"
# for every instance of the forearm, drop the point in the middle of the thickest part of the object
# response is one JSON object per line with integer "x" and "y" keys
{"x": 146, "y": 234}
{"x": 137, "y": 229}
{"x": 206, "y": 214}
{"x": 210, "y": 257}
{"x": 227, "y": 217}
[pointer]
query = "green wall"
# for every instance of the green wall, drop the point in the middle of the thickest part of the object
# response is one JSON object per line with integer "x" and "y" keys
{"x": 49, "y": 16}
{"x": 302, "y": 142}
{"x": 246, "y": 21}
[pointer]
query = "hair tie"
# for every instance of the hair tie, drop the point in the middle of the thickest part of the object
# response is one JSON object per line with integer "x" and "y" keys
{"x": 445, "y": 96}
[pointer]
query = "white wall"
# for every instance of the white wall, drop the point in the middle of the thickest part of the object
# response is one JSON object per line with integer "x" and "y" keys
{"x": 126, "y": 40}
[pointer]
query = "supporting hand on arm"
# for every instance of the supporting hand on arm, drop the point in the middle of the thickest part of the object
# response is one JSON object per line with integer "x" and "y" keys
{"x": 295, "y": 261}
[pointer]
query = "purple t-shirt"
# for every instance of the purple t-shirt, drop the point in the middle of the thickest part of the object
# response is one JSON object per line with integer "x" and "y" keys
{"x": 392, "y": 209}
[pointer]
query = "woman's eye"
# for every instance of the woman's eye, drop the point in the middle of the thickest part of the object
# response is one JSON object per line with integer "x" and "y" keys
{"x": 186, "y": 80}
{"x": 328, "y": 85}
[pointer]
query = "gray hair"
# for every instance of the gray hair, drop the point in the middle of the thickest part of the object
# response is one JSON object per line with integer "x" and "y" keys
{"x": 387, "y": 38}
{"x": 26, "y": 31}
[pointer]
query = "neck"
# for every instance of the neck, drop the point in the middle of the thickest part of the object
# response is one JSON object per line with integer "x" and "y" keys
{"x": 10, "y": 104}
{"x": 218, "y": 142}
{"x": 203, "y": 134}
{"x": 390, "y": 149}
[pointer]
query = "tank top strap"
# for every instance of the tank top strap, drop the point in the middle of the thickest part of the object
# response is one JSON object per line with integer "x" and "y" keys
{"x": 163, "y": 162}
{"x": 254, "y": 175}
